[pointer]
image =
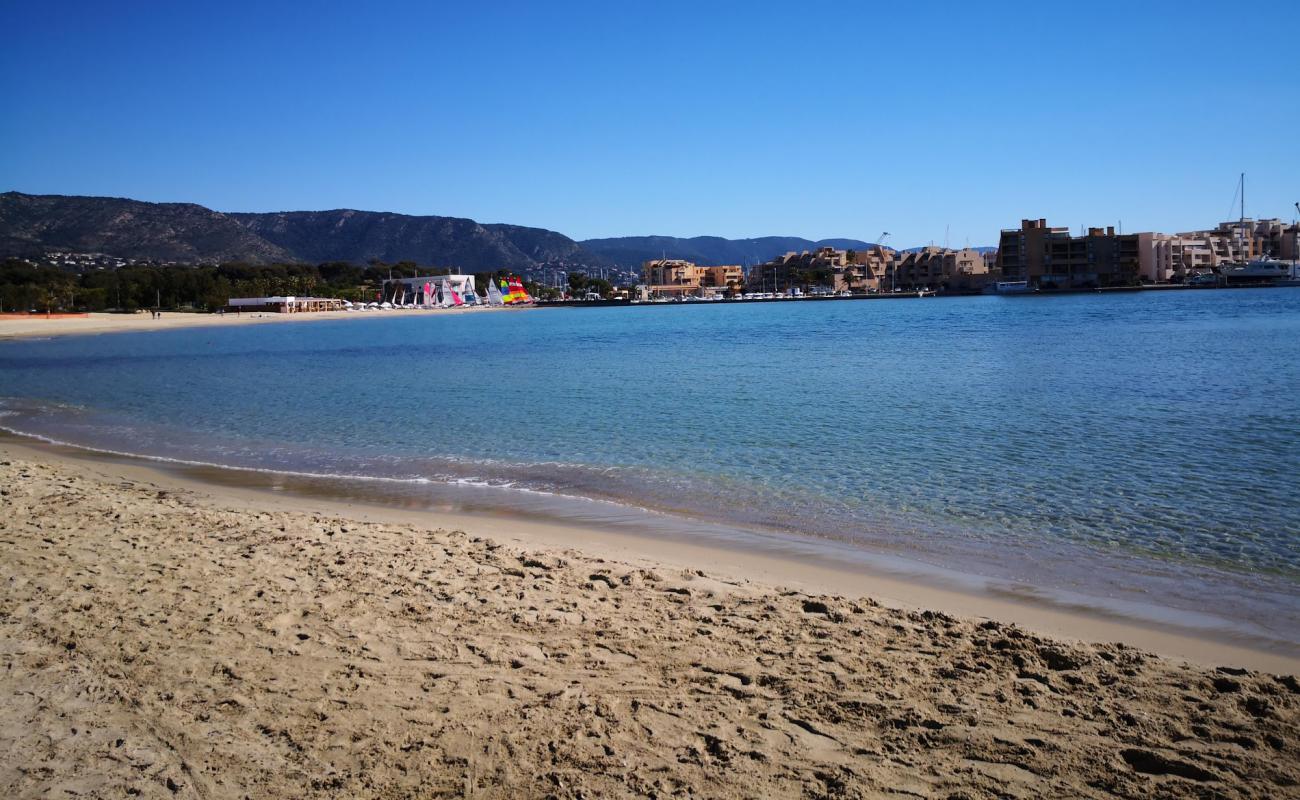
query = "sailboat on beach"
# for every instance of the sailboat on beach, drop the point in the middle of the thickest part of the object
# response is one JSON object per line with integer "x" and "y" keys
{"x": 451, "y": 294}
{"x": 517, "y": 294}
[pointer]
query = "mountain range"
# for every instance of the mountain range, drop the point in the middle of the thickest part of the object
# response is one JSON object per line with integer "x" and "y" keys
{"x": 34, "y": 225}
{"x": 188, "y": 233}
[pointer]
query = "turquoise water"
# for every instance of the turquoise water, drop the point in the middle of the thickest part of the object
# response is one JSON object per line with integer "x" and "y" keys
{"x": 1143, "y": 442}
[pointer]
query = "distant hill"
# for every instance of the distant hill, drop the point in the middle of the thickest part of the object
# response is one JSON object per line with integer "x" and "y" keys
{"x": 37, "y": 224}
{"x": 359, "y": 236}
{"x": 631, "y": 251}
{"x": 32, "y": 225}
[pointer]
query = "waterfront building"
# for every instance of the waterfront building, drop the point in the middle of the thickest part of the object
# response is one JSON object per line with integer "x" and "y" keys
{"x": 1243, "y": 240}
{"x": 1047, "y": 256}
{"x": 818, "y": 267}
{"x": 1176, "y": 257}
{"x": 670, "y": 271}
{"x": 723, "y": 277}
{"x": 675, "y": 277}
{"x": 938, "y": 268}
{"x": 1022, "y": 252}
{"x": 1052, "y": 258}
{"x": 866, "y": 270}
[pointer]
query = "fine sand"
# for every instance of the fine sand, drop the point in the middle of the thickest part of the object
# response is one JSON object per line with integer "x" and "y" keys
{"x": 37, "y": 326}
{"x": 163, "y": 641}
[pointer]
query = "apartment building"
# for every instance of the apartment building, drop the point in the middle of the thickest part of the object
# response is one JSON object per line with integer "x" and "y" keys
{"x": 670, "y": 271}
{"x": 724, "y": 276}
{"x": 677, "y": 277}
{"x": 1053, "y": 258}
{"x": 938, "y": 268}
{"x": 1047, "y": 256}
{"x": 819, "y": 267}
{"x": 1175, "y": 257}
{"x": 866, "y": 271}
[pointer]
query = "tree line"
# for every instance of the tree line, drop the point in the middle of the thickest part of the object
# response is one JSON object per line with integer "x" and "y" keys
{"x": 39, "y": 287}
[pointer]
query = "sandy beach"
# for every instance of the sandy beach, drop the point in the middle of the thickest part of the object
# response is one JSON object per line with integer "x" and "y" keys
{"x": 164, "y": 639}
{"x": 37, "y": 325}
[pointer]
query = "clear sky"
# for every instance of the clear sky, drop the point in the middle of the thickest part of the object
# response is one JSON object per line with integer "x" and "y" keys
{"x": 611, "y": 118}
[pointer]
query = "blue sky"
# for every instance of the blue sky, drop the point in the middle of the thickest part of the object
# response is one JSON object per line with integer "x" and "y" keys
{"x": 610, "y": 119}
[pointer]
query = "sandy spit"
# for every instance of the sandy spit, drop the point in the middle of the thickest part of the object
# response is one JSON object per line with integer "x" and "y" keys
{"x": 37, "y": 326}
{"x": 157, "y": 646}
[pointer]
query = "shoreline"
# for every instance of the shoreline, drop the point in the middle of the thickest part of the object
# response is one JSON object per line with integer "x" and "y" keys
{"x": 770, "y": 568}
{"x": 38, "y": 326}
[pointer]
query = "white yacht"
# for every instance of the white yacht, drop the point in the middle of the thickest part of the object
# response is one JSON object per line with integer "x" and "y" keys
{"x": 1259, "y": 270}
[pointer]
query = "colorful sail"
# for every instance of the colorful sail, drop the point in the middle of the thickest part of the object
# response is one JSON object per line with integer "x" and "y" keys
{"x": 519, "y": 292}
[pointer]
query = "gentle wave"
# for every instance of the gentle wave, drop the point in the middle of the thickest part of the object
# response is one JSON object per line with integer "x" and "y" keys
{"x": 479, "y": 483}
{"x": 641, "y": 519}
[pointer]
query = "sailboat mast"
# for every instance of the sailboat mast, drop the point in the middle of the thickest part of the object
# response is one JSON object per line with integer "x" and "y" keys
{"x": 1241, "y": 226}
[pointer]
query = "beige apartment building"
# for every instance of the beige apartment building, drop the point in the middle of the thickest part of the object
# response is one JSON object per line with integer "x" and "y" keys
{"x": 1229, "y": 242}
{"x": 793, "y": 269}
{"x": 883, "y": 269}
{"x": 677, "y": 277}
{"x": 670, "y": 272}
{"x": 939, "y": 268}
{"x": 966, "y": 268}
{"x": 1175, "y": 257}
{"x": 724, "y": 276}
{"x": 867, "y": 270}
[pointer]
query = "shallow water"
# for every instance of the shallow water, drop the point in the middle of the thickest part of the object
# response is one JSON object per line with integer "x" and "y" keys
{"x": 1124, "y": 445}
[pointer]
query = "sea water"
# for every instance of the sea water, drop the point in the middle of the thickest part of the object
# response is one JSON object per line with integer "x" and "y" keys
{"x": 1125, "y": 447}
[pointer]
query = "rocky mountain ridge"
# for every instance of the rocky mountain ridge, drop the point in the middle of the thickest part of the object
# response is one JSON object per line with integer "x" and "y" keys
{"x": 37, "y": 225}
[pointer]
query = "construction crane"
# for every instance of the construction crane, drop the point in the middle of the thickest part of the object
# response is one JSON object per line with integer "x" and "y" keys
{"x": 893, "y": 279}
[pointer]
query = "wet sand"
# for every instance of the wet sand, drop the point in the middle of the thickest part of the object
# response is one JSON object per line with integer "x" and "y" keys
{"x": 166, "y": 638}
{"x": 38, "y": 326}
